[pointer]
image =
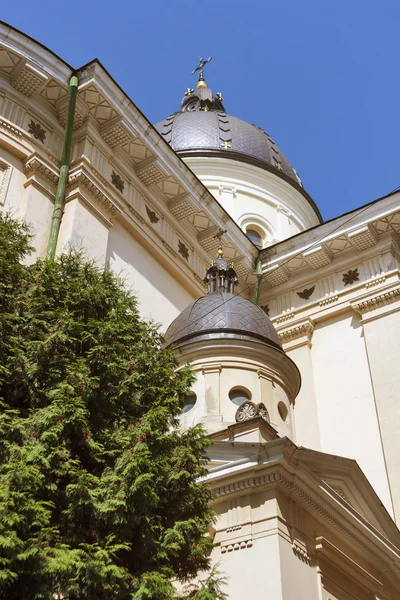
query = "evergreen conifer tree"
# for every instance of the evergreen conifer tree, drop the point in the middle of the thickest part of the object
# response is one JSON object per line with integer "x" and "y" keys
{"x": 100, "y": 491}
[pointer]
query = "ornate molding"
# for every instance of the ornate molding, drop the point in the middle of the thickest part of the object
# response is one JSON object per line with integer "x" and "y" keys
{"x": 375, "y": 302}
{"x": 35, "y": 165}
{"x": 284, "y": 318}
{"x": 249, "y": 410}
{"x": 137, "y": 215}
{"x": 78, "y": 177}
{"x": 329, "y": 300}
{"x": 10, "y": 129}
{"x": 305, "y": 329}
{"x": 242, "y": 545}
{"x": 301, "y": 552}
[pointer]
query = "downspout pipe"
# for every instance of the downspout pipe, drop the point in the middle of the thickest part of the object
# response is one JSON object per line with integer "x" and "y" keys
{"x": 257, "y": 286}
{"x": 59, "y": 202}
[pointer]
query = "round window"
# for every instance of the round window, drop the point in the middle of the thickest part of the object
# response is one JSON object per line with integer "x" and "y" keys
{"x": 239, "y": 395}
{"x": 255, "y": 237}
{"x": 189, "y": 402}
{"x": 283, "y": 411}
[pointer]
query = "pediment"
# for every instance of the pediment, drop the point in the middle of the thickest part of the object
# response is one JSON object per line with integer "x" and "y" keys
{"x": 342, "y": 479}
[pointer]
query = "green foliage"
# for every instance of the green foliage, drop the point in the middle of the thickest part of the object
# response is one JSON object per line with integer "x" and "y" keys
{"x": 100, "y": 495}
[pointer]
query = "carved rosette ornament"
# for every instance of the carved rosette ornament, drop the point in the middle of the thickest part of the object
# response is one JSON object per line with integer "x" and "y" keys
{"x": 117, "y": 181}
{"x": 350, "y": 277}
{"x": 37, "y": 131}
{"x": 248, "y": 410}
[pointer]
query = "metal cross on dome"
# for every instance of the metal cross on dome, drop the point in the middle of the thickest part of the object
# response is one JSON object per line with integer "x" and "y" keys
{"x": 202, "y": 64}
{"x": 218, "y": 236}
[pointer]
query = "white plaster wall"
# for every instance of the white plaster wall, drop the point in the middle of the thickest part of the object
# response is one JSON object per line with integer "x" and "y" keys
{"x": 348, "y": 421}
{"x": 255, "y": 197}
{"x": 382, "y": 337}
{"x": 12, "y": 198}
{"x": 299, "y": 579}
{"x": 253, "y": 573}
{"x": 84, "y": 230}
{"x": 160, "y": 296}
{"x": 37, "y": 210}
{"x": 305, "y": 410}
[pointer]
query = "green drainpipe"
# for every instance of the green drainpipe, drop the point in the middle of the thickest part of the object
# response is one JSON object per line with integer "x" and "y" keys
{"x": 256, "y": 295}
{"x": 59, "y": 202}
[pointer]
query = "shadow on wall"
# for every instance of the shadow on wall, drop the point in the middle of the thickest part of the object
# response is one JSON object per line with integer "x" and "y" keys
{"x": 160, "y": 296}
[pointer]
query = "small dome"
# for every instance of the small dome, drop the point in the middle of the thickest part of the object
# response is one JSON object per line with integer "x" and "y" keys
{"x": 222, "y": 314}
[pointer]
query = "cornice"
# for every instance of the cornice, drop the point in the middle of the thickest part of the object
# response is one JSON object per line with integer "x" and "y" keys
{"x": 373, "y": 303}
{"x": 79, "y": 176}
{"x": 385, "y": 557}
{"x": 36, "y": 164}
{"x": 300, "y": 332}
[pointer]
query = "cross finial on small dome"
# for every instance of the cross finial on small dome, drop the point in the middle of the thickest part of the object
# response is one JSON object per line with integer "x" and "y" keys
{"x": 200, "y": 67}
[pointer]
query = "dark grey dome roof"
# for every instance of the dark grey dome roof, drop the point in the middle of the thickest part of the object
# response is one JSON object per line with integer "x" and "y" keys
{"x": 224, "y": 314}
{"x": 200, "y": 132}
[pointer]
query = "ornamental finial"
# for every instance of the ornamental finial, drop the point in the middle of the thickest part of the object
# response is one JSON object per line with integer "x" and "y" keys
{"x": 218, "y": 236}
{"x": 200, "y": 67}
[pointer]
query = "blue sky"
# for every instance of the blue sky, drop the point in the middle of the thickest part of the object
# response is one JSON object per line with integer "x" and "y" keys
{"x": 321, "y": 77}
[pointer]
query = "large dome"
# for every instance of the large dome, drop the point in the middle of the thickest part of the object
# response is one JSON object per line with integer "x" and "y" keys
{"x": 222, "y": 314}
{"x": 202, "y": 127}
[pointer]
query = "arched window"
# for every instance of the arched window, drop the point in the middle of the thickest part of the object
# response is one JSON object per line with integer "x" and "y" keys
{"x": 255, "y": 237}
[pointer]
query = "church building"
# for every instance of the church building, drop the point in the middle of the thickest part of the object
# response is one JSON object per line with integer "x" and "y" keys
{"x": 291, "y": 324}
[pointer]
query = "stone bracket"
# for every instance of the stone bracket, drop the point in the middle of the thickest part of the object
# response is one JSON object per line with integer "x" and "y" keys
{"x": 183, "y": 207}
{"x": 152, "y": 171}
{"x": 116, "y": 133}
{"x": 318, "y": 257}
{"x": 276, "y": 275}
{"x": 81, "y": 111}
{"x": 28, "y": 78}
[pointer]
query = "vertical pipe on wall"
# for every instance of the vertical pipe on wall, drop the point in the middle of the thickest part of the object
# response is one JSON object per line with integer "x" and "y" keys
{"x": 59, "y": 202}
